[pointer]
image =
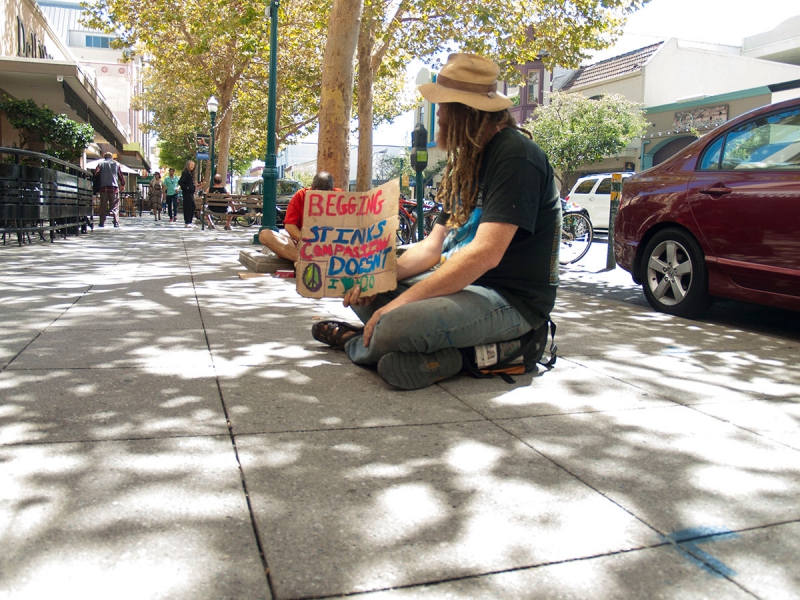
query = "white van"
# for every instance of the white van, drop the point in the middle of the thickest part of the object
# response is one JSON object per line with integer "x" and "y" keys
{"x": 593, "y": 193}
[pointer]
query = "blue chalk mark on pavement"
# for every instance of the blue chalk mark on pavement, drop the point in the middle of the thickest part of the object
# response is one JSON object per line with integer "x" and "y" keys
{"x": 687, "y": 543}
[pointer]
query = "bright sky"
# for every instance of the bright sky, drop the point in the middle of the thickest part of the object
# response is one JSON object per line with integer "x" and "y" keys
{"x": 715, "y": 21}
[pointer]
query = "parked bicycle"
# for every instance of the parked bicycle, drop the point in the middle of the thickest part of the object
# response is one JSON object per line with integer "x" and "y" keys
{"x": 407, "y": 230}
{"x": 577, "y": 233}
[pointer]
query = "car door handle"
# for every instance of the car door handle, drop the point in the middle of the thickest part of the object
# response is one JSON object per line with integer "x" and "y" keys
{"x": 717, "y": 190}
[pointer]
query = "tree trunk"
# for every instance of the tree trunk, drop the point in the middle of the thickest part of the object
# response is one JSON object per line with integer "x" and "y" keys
{"x": 336, "y": 93}
{"x": 366, "y": 78}
{"x": 223, "y": 132}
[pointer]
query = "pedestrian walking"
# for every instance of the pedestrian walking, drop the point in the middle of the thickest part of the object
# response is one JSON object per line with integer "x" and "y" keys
{"x": 156, "y": 196}
{"x": 111, "y": 179}
{"x": 171, "y": 193}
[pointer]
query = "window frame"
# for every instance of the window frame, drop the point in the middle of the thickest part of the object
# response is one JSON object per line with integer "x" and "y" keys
{"x": 721, "y": 143}
{"x": 529, "y": 83}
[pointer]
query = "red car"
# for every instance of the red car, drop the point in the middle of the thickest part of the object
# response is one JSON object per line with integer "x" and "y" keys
{"x": 721, "y": 218}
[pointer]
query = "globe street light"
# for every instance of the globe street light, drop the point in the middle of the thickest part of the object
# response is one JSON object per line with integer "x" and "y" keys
{"x": 212, "y": 107}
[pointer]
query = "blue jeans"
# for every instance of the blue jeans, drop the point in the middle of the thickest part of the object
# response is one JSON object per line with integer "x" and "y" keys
{"x": 475, "y": 315}
{"x": 172, "y": 205}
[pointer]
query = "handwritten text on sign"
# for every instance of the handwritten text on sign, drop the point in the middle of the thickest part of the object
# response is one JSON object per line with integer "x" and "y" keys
{"x": 348, "y": 239}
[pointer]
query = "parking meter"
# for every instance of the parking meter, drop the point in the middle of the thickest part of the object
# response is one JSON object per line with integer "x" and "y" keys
{"x": 419, "y": 156}
{"x": 419, "y": 160}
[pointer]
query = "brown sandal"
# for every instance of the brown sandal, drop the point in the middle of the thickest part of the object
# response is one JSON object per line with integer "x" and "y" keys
{"x": 334, "y": 333}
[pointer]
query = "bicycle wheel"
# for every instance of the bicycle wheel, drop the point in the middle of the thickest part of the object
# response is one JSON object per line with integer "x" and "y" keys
{"x": 244, "y": 221}
{"x": 429, "y": 220}
{"x": 405, "y": 233}
{"x": 576, "y": 237}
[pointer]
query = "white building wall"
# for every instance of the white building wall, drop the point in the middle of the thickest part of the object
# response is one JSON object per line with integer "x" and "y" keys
{"x": 782, "y": 44}
{"x": 34, "y": 22}
{"x": 629, "y": 86}
{"x": 678, "y": 72}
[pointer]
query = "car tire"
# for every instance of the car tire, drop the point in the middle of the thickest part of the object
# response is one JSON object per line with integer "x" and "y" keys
{"x": 674, "y": 275}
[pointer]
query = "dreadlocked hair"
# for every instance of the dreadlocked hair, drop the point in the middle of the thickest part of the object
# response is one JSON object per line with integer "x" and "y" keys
{"x": 467, "y": 127}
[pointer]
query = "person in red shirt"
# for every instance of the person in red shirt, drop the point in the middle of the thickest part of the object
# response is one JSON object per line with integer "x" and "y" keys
{"x": 284, "y": 243}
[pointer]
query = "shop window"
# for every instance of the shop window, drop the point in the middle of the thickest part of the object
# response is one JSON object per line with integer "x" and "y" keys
{"x": 533, "y": 87}
{"x": 97, "y": 41}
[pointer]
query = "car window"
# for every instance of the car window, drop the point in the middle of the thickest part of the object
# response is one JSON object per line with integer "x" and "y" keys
{"x": 585, "y": 187}
{"x": 604, "y": 187}
{"x": 771, "y": 142}
{"x": 286, "y": 188}
{"x": 710, "y": 159}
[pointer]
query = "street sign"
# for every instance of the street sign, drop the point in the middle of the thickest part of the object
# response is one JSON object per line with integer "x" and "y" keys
{"x": 203, "y": 145}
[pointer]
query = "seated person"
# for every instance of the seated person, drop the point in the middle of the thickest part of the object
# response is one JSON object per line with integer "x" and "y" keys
{"x": 219, "y": 188}
{"x": 488, "y": 272}
{"x": 284, "y": 243}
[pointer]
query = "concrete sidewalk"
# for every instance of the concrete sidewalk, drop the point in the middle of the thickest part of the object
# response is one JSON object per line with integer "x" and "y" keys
{"x": 169, "y": 430}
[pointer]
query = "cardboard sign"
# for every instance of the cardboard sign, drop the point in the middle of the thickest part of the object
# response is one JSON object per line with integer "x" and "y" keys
{"x": 348, "y": 239}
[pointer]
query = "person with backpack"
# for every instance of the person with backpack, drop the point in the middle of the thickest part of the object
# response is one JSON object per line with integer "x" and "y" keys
{"x": 488, "y": 272}
{"x": 110, "y": 179}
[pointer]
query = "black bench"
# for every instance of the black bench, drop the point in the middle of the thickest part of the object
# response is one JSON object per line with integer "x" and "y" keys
{"x": 246, "y": 208}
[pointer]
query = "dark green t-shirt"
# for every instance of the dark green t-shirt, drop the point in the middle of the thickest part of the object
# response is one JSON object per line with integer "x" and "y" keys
{"x": 517, "y": 187}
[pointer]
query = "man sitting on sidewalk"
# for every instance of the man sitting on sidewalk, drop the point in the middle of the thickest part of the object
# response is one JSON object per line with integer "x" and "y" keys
{"x": 284, "y": 244}
{"x": 488, "y": 272}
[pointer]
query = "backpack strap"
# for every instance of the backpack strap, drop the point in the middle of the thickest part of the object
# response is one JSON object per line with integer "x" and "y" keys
{"x": 527, "y": 347}
{"x": 553, "y": 348}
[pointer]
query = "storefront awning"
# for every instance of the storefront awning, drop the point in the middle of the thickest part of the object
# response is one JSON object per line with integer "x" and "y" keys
{"x": 64, "y": 88}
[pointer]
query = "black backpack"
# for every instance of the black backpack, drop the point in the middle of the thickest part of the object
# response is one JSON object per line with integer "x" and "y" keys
{"x": 514, "y": 357}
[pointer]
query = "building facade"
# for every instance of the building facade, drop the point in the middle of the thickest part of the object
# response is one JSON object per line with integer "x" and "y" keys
{"x": 37, "y": 62}
{"x": 689, "y": 88}
{"x": 686, "y": 88}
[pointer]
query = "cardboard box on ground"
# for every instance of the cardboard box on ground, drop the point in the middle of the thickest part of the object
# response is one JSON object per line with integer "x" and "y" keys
{"x": 348, "y": 239}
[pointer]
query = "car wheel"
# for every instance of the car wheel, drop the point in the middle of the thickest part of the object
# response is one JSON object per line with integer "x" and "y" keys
{"x": 674, "y": 275}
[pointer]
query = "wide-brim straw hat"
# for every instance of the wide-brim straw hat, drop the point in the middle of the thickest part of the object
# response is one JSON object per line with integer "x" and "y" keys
{"x": 469, "y": 79}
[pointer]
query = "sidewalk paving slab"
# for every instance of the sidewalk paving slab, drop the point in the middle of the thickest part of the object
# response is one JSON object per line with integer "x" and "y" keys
{"x": 568, "y": 388}
{"x": 161, "y": 518}
{"x": 667, "y": 572}
{"x": 181, "y": 352}
{"x": 350, "y": 511}
{"x": 52, "y": 405}
{"x": 675, "y": 468}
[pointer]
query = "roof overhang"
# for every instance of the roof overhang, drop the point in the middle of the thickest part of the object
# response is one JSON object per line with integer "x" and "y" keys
{"x": 133, "y": 156}
{"x": 64, "y": 88}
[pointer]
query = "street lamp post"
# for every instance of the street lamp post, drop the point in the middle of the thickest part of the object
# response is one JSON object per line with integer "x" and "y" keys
{"x": 212, "y": 105}
{"x": 270, "y": 185}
